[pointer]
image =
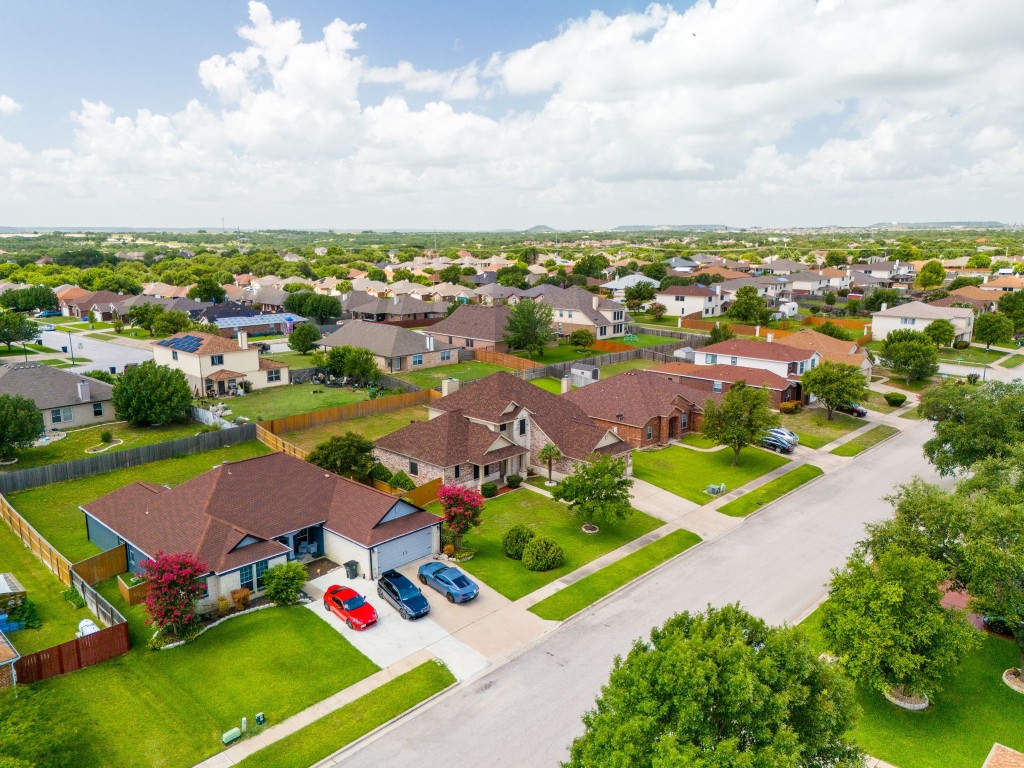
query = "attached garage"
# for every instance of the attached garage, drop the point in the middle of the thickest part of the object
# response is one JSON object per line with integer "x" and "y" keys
{"x": 404, "y": 549}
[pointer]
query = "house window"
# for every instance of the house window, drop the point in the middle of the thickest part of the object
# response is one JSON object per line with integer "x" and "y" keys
{"x": 458, "y": 471}
{"x": 450, "y": 340}
{"x": 205, "y": 586}
{"x": 502, "y": 427}
{"x": 414, "y": 468}
{"x": 131, "y": 558}
{"x": 711, "y": 359}
{"x": 801, "y": 366}
{"x": 734, "y": 360}
{"x": 604, "y": 330}
{"x": 617, "y": 314}
{"x": 469, "y": 342}
{"x": 561, "y": 313}
{"x": 261, "y": 568}
{"x": 446, "y": 354}
{"x": 650, "y": 432}
{"x": 417, "y": 360}
{"x": 617, "y": 328}
{"x": 174, "y": 354}
{"x": 522, "y": 426}
{"x": 61, "y": 415}
{"x": 476, "y": 471}
{"x": 216, "y": 359}
{"x": 906, "y": 321}
{"x": 487, "y": 469}
{"x": 274, "y": 375}
{"x": 245, "y": 577}
{"x": 570, "y": 314}
{"x": 717, "y": 387}
{"x": 97, "y": 409}
{"x": 680, "y": 298}
{"x": 396, "y": 363}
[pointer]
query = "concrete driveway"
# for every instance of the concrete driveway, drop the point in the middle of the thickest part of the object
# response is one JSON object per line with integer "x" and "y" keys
{"x": 393, "y": 638}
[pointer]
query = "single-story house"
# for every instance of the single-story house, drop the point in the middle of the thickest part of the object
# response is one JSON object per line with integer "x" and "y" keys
{"x": 256, "y": 325}
{"x": 718, "y": 379}
{"x": 216, "y": 366}
{"x": 364, "y": 306}
{"x": 917, "y": 315}
{"x": 473, "y": 327}
{"x": 395, "y": 349}
{"x": 1004, "y": 284}
{"x": 243, "y": 517}
{"x": 66, "y": 399}
{"x": 270, "y": 299}
{"x": 97, "y": 302}
{"x": 781, "y": 267}
{"x": 617, "y": 287}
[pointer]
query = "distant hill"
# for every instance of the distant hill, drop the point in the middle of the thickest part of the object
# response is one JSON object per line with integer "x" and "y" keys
{"x": 670, "y": 227}
{"x": 938, "y": 225}
{"x": 541, "y": 228}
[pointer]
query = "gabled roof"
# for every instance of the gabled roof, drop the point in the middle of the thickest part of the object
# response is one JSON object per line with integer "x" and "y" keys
{"x": 634, "y": 397}
{"x": 399, "y": 305}
{"x": 271, "y": 297}
{"x": 473, "y": 322}
{"x": 198, "y": 343}
{"x": 50, "y": 387}
{"x": 1006, "y": 281}
{"x": 450, "y": 439}
{"x": 214, "y": 512}
{"x": 697, "y": 289}
{"x": 758, "y": 350}
{"x": 974, "y": 292}
{"x": 92, "y": 299}
{"x": 382, "y": 340}
{"x": 919, "y": 309}
{"x": 754, "y": 377}
{"x": 835, "y": 350}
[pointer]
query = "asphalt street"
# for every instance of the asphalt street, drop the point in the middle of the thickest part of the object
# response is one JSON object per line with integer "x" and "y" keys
{"x": 776, "y": 564}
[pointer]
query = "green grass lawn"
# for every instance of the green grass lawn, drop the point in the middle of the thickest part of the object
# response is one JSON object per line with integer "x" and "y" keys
{"x": 548, "y": 518}
{"x": 431, "y": 377}
{"x": 128, "y": 333}
{"x": 57, "y": 363}
{"x": 869, "y": 439}
{"x": 687, "y": 473}
{"x": 665, "y": 322}
{"x": 53, "y": 509}
{"x": 649, "y": 340}
{"x": 552, "y": 385}
{"x": 99, "y": 325}
{"x": 592, "y": 588}
{"x": 913, "y": 413}
{"x": 899, "y": 382}
{"x": 1013, "y": 362}
{"x": 974, "y": 710}
{"x": 607, "y": 371}
{"x": 289, "y": 399}
{"x": 815, "y": 430}
{"x": 18, "y": 349}
{"x": 294, "y": 360}
{"x": 370, "y": 427}
{"x": 770, "y": 491}
{"x": 697, "y": 440}
{"x": 970, "y": 356}
{"x": 169, "y": 708}
{"x": 330, "y": 733}
{"x": 874, "y": 401}
{"x": 563, "y": 353}
{"x": 73, "y": 446}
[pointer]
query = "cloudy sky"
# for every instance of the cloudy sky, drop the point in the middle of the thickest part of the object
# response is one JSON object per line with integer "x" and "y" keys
{"x": 478, "y": 115}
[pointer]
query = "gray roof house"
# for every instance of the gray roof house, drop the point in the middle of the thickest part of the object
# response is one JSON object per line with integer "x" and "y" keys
{"x": 66, "y": 399}
{"x": 396, "y": 349}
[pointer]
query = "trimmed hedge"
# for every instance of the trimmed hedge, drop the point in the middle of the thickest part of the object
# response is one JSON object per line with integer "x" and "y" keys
{"x": 515, "y": 539}
{"x": 542, "y": 554}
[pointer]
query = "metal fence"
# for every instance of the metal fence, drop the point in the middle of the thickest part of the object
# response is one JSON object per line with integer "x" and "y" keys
{"x": 108, "y": 462}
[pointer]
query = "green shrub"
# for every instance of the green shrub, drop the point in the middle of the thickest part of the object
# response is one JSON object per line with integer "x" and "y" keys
{"x": 972, "y": 378}
{"x": 223, "y": 606}
{"x": 284, "y": 582}
{"x": 791, "y": 406}
{"x": 515, "y": 539}
{"x": 380, "y": 472}
{"x": 447, "y": 537}
{"x": 542, "y": 554}
{"x": 961, "y": 344}
{"x": 402, "y": 480}
{"x": 240, "y": 597}
{"x": 489, "y": 490}
{"x": 74, "y": 597}
{"x": 26, "y": 615}
{"x": 895, "y": 399}
{"x": 106, "y": 436}
{"x": 514, "y": 481}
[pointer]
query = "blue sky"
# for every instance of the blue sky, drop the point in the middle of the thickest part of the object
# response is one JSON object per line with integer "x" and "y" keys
{"x": 477, "y": 115}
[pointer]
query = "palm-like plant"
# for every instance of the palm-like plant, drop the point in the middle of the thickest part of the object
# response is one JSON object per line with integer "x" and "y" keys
{"x": 550, "y": 454}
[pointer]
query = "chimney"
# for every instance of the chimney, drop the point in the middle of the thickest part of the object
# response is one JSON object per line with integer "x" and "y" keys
{"x": 770, "y": 338}
{"x": 884, "y": 307}
{"x": 243, "y": 339}
{"x": 396, "y": 299}
{"x": 566, "y": 384}
{"x": 449, "y": 386}
{"x": 430, "y": 343}
{"x": 83, "y": 390}
{"x": 596, "y": 300}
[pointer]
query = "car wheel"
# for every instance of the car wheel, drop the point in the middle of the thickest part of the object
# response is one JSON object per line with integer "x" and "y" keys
{"x": 450, "y": 597}
{"x": 423, "y": 579}
{"x": 404, "y": 614}
{"x": 327, "y": 607}
{"x": 349, "y": 624}
{"x": 380, "y": 592}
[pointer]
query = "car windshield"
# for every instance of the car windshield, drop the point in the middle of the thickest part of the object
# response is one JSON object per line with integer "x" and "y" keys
{"x": 354, "y": 602}
{"x": 406, "y": 591}
{"x": 461, "y": 582}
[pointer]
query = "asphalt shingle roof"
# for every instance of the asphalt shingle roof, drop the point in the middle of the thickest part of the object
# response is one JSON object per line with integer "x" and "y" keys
{"x": 50, "y": 387}
{"x": 382, "y": 340}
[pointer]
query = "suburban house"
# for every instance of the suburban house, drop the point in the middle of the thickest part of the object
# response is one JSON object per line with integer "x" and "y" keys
{"x": 916, "y": 316}
{"x": 82, "y": 305}
{"x": 892, "y": 271}
{"x": 809, "y": 283}
{"x": 831, "y": 349}
{"x": 66, "y": 399}
{"x": 165, "y": 290}
{"x": 838, "y": 279}
{"x": 718, "y": 379}
{"x": 302, "y": 511}
{"x": 1004, "y": 284}
{"x": 363, "y": 306}
{"x": 493, "y": 293}
{"x": 781, "y": 267}
{"x": 120, "y": 309}
{"x": 641, "y": 407}
{"x": 395, "y": 349}
{"x": 473, "y": 327}
{"x": 230, "y": 326}
{"x": 214, "y": 365}
{"x": 769, "y": 287}
{"x": 785, "y": 361}
{"x": 980, "y": 300}
{"x": 510, "y": 408}
{"x": 697, "y": 300}
{"x": 270, "y": 299}
{"x": 575, "y": 309}
{"x": 618, "y": 287}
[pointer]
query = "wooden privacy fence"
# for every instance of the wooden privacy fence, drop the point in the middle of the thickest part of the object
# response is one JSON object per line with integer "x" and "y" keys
{"x": 108, "y": 462}
{"x": 424, "y": 494}
{"x": 133, "y": 595}
{"x": 100, "y": 567}
{"x": 760, "y": 331}
{"x": 40, "y": 547}
{"x": 504, "y": 360}
{"x": 601, "y": 345}
{"x": 558, "y": 370}
{"x": 842, "y": 322}
{"x": 74, "y": 654}
{"x": 344, "y": 412}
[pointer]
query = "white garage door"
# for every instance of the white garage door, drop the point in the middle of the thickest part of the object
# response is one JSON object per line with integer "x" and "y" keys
{"x": 392, "y": 554}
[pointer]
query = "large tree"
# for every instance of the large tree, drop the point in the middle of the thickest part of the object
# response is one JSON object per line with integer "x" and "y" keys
{"x": 29, "y": 298}
{"x": 741, "y": 419}
{"x": 716, "y": 690}
{"x": 348, "y": 455}
{"x": 304, "y": 338}
{"x": 591, "y": 265}
{"x": 170, "y": 322}
{"x": 1012, "y": 305}
{"x": 932, "y": 275}
{"x": 641, "y": 293}
{"x": 321, "y": 308}
{"x": 207, "y": 289}
{"x": 911, "y": 354}
{"x": 993, "y": 328}
{"x": 20, "y": 424}
{"x": 889, "y": 296}
{"x": 145, "y": 315}
{"x": 835, "y": 384}
{"x": 152, "y": 394}
{"x": 885, "y": 619}
{"x": 15, "y": 327}
{"x": 529, "y": 327}
{"x": 748, "y": 306}
{"x": 597, "y": 490}
{"x": 941, "y": 332}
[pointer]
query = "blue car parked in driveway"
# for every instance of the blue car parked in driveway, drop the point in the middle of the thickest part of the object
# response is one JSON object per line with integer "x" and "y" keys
{"x": 456, "y": 586}
{"x": 403, "y": 595}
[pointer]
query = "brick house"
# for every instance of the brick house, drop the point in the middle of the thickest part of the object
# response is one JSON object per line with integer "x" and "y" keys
{"x": 215, "y": 366}
{"x": 94, "y": 301}
{"x": 302, "y": 512}
{"x": 642, "y": 407}
{"x": 364, "y": 306}
{"x": 66, "y": 399}
{"x": 718, "y": 379}
{"x": 395, "y": 349}
{"x": 575, "y": 309}
{"x": 473, "y": 327}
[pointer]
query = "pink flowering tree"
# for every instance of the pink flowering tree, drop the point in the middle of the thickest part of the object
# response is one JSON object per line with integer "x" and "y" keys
{"x": 175, "y": 586}
{"x": 462, "y": 507}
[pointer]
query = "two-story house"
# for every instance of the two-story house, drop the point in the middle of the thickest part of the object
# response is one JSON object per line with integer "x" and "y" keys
{"x": 575, "y": 308}
{"x": 617, "y": 287}
{"x": 788, "y": 362}
{"x": 215, "y": 366}
{"x": 917, "y": 315}
{"x": 697, "y": 300}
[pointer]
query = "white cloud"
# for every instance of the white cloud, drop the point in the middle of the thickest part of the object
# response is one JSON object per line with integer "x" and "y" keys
{"x": 8, "y": 106}
{"x": 742, "y": 112}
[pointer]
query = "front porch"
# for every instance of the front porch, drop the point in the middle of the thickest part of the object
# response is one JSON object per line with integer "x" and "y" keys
{"x": 223, "y": 383}
{"x": 306, "y": 544}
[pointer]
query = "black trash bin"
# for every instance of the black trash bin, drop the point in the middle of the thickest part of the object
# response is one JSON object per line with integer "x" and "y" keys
{"x": 352, "y": 569}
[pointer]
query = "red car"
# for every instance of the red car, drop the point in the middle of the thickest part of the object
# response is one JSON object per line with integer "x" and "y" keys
{"x": 349, "y": 606}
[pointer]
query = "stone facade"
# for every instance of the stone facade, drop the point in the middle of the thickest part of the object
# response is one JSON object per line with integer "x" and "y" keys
{"x": 6, "y": 676}
{"x": 660, "y": 428}
{"x": 222, "y": 585}
{"x": 396, "y": 462}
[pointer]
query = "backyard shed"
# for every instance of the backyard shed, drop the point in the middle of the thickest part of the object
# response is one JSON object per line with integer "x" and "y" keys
{"x": 583, "y": 374}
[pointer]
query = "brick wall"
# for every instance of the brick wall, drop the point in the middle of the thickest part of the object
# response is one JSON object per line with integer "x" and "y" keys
{"x": 462, "y": 341}
{"x": 397, "y": 462}
{"x": 430, "y": 360}
{"x": 6, "y": 676}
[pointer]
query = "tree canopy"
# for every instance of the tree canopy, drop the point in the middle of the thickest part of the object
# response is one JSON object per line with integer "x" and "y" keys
{"x": 910, "y": 354}
{"x": 148, "y": 394}
{"x": 993, "y": 328}
{"x": 742, "y": 418}
{"x": 304, "y": 337}
{"x": 207, "y": 289}
{"x": 348, "y": 455}
{"x": 15, "y": 328}
{"x": 528, "y": 327}
{"x": 20, "y": 424}
{"x": 1012, "y": 305}
{"x": 748, "y": 306}
{"x": 941, "y": 332}
{"x": 597, "y": 490}
{"x": 932, "y": 275}
{"x": 835, "y": 384}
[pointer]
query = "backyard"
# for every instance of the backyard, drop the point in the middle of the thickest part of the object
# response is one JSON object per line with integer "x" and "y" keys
{"x": 815, "y": 430}
{"x": 294, "y": 360}
{"x": 687, "y": 473}
{"x": 548, "y": 518}
{"x": 287, "y": 400}
{"x": 607, "y": 371}
{"x": 53, "y": 509}
{"x": 552, "y": 385}
{"x": 563, "y": 353}
{"x": 370, "y": 427}
{"x": 431, "y": 377}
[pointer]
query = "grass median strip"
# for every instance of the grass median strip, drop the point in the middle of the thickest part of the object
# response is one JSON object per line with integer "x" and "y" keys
{"x": 869, "y": 439}
{"x": 336, "y": 730}
{"x": 769, "y": 492}
{"x": 592, "y": 588}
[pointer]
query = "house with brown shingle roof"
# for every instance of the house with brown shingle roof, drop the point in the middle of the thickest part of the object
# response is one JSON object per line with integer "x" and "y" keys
{"x": 719, "y": 379}
{"x": 576, "y": 308}
{"x": 244, "y": 517}
{"x": 832, "y": 349}
{"x": 216, "y": 366}
{"x": 1003, "y": 757}
{"x": 1004, "y": 284}
{"x": 473, "y": 326}
{"x": 395, "y": 349}
{"x": 66, "y": 399}
{"x": 96, "y": 301}
{"x": 788, "y": 362}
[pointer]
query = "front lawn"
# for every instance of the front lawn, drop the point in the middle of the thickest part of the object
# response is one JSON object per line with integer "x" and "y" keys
{"x": 548, "y": 518}
{"x": 431, "y": 378}
{"x": 875, "y": 401}
{"x": 1012, "y": 362}
{"x": 370, "y": 427}
{"x": 974, "y": 711}
{"x": 913, "y": 414}
{"x": 899, "y": 382}
{"x": 869, "y": 439}
{"x": 697, "y": 440}
{"x": 687, "y": 473}
{"x": 53, "y": 509}
{"x": 311, "y": 744}
{"x": 770, "y": 491}
{"x": 815, "y": 430}
{"x": 290, "y": 399}
{"x": 969, "y": 356}
{"x": 168, "y": 709}
{"x": 592, "y": 588}
{"x": 73, "y": 446}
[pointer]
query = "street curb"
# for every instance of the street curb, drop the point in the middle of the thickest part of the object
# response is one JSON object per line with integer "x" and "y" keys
{"x": 870, "y": 447}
